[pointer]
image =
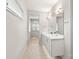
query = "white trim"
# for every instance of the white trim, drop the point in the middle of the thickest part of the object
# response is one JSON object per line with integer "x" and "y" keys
{"x": 14, "y": 13}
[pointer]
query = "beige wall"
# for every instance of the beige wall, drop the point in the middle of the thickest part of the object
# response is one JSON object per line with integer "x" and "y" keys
{"x": 43, "y": 22}
{"x": 47, "y": 25}
{"x": 52, "y": 24}
{"x": 16, "y": 36}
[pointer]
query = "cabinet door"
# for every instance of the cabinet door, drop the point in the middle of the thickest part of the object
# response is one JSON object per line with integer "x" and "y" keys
{"x": 57, "y": 47}
{"x": 42, "y": 40}
{"x": 49, "y": 46}
{"x": 45, "y": 41}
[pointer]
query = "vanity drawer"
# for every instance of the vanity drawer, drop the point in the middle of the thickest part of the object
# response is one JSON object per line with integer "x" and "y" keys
{"x": 57, "y": 47}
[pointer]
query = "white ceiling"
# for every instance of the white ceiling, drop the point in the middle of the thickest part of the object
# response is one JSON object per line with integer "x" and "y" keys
{"x": 40, "y": 5}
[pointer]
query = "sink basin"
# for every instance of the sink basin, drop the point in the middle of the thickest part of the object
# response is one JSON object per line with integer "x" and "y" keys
{"x": 54, "y": 36}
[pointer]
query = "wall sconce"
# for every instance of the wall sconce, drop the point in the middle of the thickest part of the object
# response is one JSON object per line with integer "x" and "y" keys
{"x": 59, "y": 11}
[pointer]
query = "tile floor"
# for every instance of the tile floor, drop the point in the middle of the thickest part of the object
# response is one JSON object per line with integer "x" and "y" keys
{"x": 34, "y": 50}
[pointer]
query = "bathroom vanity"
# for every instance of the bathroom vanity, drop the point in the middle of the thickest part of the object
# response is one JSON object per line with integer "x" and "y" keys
{"x": 54, "y": 43}
{"x": 53, "y": 39}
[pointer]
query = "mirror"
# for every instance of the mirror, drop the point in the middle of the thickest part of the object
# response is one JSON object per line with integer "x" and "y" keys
{"x": 56, "y": 20}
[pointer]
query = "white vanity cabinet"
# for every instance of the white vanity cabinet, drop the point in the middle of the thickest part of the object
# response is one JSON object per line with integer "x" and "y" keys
{"x": 45, "y": 41}
{"x": 55, "y": 47}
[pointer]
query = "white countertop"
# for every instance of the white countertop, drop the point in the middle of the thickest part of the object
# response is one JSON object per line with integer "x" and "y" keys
{"x": 53, "y": 36}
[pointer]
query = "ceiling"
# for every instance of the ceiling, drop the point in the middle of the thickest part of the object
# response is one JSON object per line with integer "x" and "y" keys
{"x": 40, "y": 5}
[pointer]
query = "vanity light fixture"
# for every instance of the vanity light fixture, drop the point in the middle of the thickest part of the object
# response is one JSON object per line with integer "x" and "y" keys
{"x": 59, "y": 11}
